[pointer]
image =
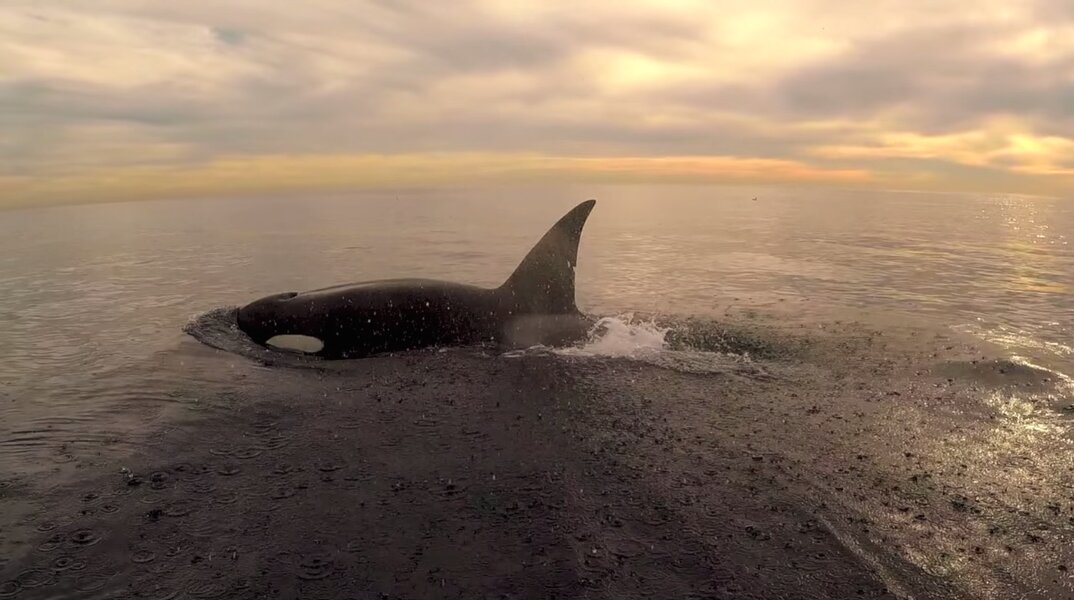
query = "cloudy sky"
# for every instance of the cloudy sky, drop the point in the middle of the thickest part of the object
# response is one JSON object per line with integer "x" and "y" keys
{"x": 121, "y": 99}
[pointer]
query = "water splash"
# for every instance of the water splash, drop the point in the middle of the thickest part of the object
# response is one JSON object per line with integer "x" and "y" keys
{"x": 1017, "y": 338}
{"x": 621, "y": 336}
{"x": 650, "y": 341}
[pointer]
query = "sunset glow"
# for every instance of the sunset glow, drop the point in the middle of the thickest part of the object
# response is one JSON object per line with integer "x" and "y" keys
{"x": 124, "y": 99}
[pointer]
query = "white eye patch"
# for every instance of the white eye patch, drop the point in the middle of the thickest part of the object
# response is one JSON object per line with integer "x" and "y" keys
{"x": 296, "y": 343}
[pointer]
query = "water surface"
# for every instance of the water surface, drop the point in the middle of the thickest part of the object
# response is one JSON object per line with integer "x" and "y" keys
{"x": 900, "y": 360}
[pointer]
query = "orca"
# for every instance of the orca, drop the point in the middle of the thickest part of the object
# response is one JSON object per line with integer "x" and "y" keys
{"x": 536, "y": 305}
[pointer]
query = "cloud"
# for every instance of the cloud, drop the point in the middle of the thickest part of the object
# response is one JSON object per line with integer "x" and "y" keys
{"x": 942, "y": 79}
{"x": 290, "y": 173}
{"x": 817, "y": 88}
{"x": 998, "y": 147}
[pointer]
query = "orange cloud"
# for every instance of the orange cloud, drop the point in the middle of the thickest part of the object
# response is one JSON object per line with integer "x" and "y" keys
{"x": 1001, "y": 146}
{"x": 282, "y": 173}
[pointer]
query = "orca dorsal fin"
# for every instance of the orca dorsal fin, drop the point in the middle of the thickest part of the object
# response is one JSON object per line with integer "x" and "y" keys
{"x": 543, "y": 283}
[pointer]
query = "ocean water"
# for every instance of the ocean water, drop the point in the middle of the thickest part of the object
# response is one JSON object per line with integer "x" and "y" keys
{"x": 892, "y": 369}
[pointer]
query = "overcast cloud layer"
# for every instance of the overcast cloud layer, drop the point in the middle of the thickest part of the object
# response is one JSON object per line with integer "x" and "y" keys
{"x": 125, "y": 98}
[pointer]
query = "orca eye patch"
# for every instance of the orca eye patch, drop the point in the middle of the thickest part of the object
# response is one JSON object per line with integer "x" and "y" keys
{"x": 296, "y": 343}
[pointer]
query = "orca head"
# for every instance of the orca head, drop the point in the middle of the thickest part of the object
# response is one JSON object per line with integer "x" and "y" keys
{"x": 265, "y": 318}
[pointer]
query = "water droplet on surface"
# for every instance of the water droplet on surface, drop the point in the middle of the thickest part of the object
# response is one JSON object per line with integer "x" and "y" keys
{"x": 92, "y": 583}
{"x": 62, "y": 563}
{"x": 8, "y": 589}
{"x": 178, "y": 509}
{"x": 206, "y": 589}
{"x": 315, "y": 567}
{"x": 34, "y": 578}
{"x": 50, "y": 544}
{"x": 143, "y": 556}
{"x": 228, "y": 470}
{"x": 226, "y": 498}
{"x": 282, "y": 492}
{"x": 157, "y": 593}
{"x": 203, "y": 487}
{"x": 84, "y": 537}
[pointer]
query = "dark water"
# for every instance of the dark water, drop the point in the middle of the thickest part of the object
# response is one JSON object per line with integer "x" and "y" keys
{"x": 843, "y": 393}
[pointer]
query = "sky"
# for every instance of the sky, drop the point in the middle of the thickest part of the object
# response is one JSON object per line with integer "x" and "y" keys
{"x": 130, "y": 99}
